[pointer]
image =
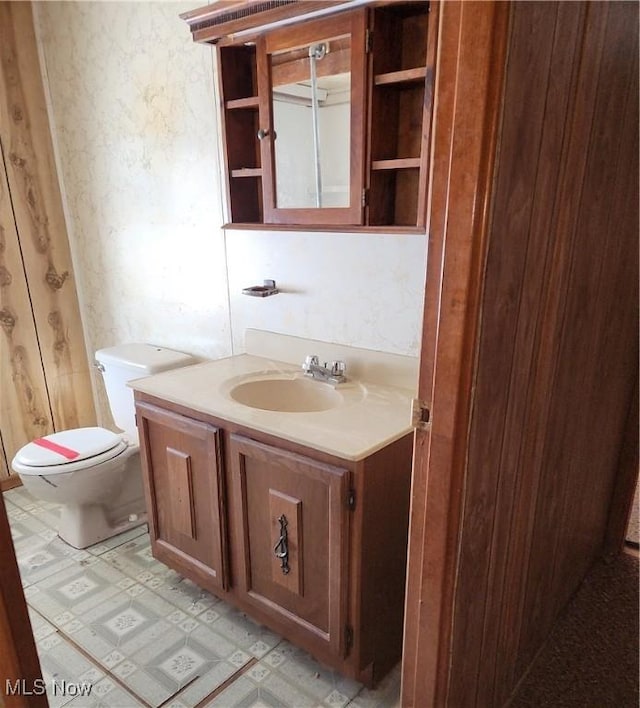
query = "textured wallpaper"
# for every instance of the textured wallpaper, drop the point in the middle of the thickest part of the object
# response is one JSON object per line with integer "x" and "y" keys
{"x": 135, "y": 125}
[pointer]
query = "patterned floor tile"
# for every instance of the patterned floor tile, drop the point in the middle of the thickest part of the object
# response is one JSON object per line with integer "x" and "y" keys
{"x": 151, "y": 645}
{"x": 148, "y": 628}
{"x": 66, "y": 672}
{"x": 43, "y": 553}
{"x": 47, "y": 512}
{"x": 106, "y": 693}
{"x": 118, "y": 540}
{"x": 135, "y": 560}
{"x": 327, "y": 687}
{"x": 245, "y": 633}
{"x": 385, "y": 695}
{"x": 271, "y": 690}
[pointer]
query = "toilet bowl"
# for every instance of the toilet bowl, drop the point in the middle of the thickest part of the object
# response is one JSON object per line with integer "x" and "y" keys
{"x": 94, "y": 473}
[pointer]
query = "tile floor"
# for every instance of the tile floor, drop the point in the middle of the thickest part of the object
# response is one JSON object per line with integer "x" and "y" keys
{"x": 140, "y": 634}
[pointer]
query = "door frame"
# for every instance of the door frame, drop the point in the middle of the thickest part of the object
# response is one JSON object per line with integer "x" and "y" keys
{"x": 470, "y": 68}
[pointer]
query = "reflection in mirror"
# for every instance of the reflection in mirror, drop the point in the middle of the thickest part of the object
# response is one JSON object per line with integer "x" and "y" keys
{"x": 312, "y": 123}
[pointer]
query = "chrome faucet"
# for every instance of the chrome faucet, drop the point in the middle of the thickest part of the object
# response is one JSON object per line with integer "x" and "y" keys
{"x": 334, "y": 373}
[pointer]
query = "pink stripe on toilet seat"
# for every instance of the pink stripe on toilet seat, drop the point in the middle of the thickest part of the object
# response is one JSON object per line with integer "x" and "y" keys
{"x": 60, "y": 449}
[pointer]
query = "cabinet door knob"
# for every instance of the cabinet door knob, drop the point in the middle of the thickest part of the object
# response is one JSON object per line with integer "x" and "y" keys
{"x": 262, "y": 134}
{"x": 281, "y": 549}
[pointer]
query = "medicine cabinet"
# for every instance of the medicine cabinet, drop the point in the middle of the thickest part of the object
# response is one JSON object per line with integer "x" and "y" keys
{"x": 325, "y": 120}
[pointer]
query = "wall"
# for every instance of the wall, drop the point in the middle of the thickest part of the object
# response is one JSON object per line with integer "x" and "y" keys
{"x": 363, "y": 290}
{"x": 132, "y": 103}
{"x": 132, "y": 107}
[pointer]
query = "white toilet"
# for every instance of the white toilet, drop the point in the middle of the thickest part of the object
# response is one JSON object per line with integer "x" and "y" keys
{"x": 94, "y": 473}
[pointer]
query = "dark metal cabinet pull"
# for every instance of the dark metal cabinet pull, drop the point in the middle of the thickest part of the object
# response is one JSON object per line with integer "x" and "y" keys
{"x": 281, "y": 549}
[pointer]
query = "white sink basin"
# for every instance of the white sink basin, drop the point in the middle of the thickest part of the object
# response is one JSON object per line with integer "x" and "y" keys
{"x": 296, "y": 395}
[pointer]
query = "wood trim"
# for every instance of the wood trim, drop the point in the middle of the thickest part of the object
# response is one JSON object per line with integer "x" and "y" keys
{"x": 426, "y": 150}
{"x": 10, "y": 483}
{"x": 468, "y": 92}
{"x": 18, "y": 656}
{"x": 221, "y": 27}
{"x": 626, "y": 482}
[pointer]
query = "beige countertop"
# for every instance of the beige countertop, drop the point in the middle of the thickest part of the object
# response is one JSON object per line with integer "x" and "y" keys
{"x": 368, "y": 416}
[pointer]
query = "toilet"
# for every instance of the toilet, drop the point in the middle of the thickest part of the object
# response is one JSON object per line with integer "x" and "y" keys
{"x": 94, "y": 473}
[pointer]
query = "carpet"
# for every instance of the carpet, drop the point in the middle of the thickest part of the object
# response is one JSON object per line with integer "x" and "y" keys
{"x": 591, "y": 657}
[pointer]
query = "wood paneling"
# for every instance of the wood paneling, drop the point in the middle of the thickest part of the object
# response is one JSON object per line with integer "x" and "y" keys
{"x": 24, "y": 401}
{"x": 556, "y": 361}
{"x": 37, "y": 208}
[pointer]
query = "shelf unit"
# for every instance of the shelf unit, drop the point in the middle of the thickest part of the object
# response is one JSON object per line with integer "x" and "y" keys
{"x": 398, "y": 115}
{"x": 240, "y": 108}
{"x": 397, "y": 105}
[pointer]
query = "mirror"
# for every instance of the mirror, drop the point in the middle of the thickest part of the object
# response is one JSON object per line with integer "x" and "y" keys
{"x": 311, "y": 105}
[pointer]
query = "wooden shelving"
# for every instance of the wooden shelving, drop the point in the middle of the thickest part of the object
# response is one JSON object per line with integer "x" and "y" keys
{"x": 405, "y": 76}
{"x": 247, "y": 172}
{"x": 396, "y": 75}
{"x": 397, "y": 149}
{"x": 402, "y": 163}
{"x": 242, "y": 103}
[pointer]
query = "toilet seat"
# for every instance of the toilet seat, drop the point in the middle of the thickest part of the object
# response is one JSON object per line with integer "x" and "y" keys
{"x": 68, "y": 451}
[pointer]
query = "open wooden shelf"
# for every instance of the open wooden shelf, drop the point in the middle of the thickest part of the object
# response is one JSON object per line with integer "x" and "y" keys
{"x": 405, "y": 76}
{"x": 402, "y": 163}
{"x": 247, "y": 172}
{"x": 239, "y": 103}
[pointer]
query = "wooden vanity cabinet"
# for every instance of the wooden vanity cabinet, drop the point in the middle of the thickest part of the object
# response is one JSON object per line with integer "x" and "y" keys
{"x": 182, "y": 464}
{"x": 220, "y": 496}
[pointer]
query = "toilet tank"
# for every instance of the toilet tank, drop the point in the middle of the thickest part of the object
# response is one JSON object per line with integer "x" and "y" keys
{"x": 126, "y": 362}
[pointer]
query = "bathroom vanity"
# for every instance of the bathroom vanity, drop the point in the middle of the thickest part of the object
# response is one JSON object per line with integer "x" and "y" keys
{"x": 297, "y": 517}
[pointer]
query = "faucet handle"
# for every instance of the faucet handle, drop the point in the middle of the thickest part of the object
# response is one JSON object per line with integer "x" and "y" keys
{"x": 309, "y": 361}
{"x": 338, "y": 368}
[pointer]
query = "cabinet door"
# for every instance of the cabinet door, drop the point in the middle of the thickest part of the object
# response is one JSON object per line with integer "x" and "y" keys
{"x": 183, "y": 485}
{"x": 284, "y": 494}
{"x": 311, "y": 86}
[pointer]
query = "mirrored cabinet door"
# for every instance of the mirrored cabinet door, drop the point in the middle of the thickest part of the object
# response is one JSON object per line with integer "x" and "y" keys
{"x": 311, "y": 87}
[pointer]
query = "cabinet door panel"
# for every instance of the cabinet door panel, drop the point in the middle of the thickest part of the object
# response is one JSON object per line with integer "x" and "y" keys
{"x": 183, "y": 483}
{"x": 276, "y": 489}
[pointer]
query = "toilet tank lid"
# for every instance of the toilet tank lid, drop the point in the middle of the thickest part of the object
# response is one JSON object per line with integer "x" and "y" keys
{"x": 147, "y": 358}
{"x": 67, "y": 446}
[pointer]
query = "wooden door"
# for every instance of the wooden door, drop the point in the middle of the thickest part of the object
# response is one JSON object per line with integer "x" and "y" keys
{"x": 183, "y": 486}
{"x": 295, "y": 507}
